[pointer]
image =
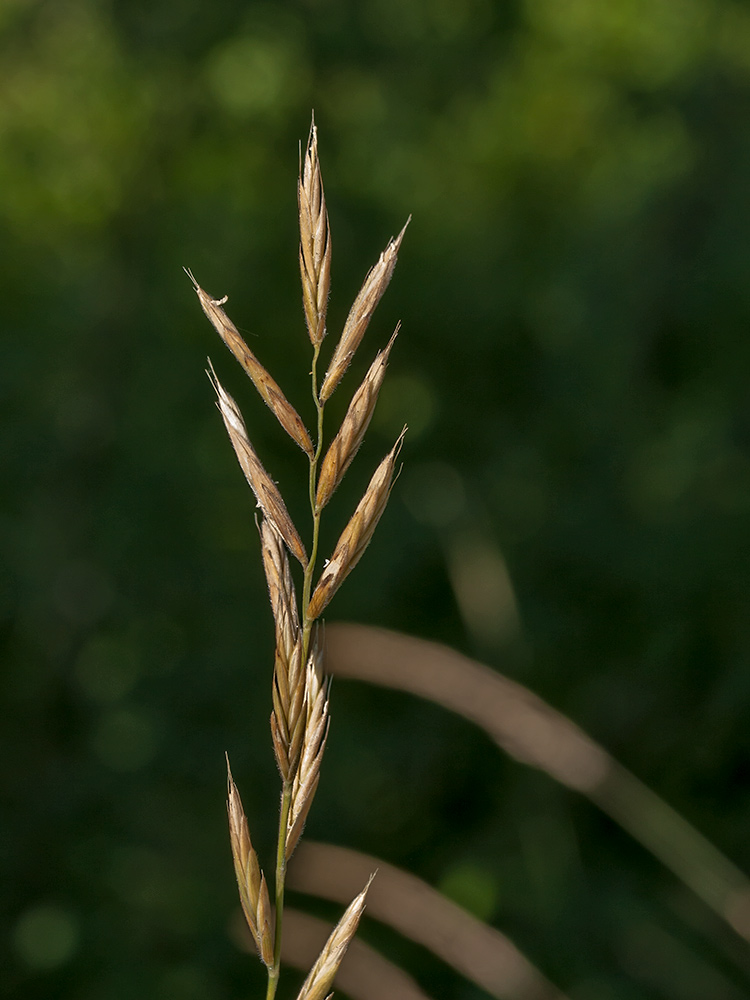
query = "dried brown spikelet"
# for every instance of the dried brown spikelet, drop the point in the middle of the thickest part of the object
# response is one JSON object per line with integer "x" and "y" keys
{"x": 250, "y": 881}
{"x": 358, "y": 533}
{"x": 315, "y": 241}
{"x": 360, "y": 314}
{"x": 287, "y": 719}
{"x": 280, "y": 587}
{"x": 265, "y": 489}
{"x": 346, "y": 443}
{"x": 269, "y": 390}
{"x": 313, "y": 744}
{"x": 288, "y": 716}
{"x": 322, "y": 974}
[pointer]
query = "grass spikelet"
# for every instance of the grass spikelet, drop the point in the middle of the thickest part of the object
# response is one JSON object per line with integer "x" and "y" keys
{"x": 360, "y": 314}
{"x": 265, "y": 489}
{"x": 358, "y": 533}
{"x": 280, "y": 588}
{"x": 313, "y": 745}
{"x": 322, "y": 974}
{"x": 252, "y": 885}
{"x": 287, "y": 719}
{"x": 315, "y": 242}
{"x": 267, "y": 387}
{"x": 345, "y": 445}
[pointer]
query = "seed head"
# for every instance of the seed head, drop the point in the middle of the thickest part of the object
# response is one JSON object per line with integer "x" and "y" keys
{"x": 313, "y": 744}
{"x": 360, "y": 314}
{"x": 265, "y": 489}
{"x": 358, "y": 533}
{"x": 346, "y": 443}
{"x": 315, "y": 241}
{"x": 322, "y": 974}
{"x": 251, "y": 883}
{"x": 267, "y": 387}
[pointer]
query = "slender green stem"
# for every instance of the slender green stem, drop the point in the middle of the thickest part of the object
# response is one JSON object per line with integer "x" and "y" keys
{"x": 273, "y": 972}
{"x": 286, "y": 794}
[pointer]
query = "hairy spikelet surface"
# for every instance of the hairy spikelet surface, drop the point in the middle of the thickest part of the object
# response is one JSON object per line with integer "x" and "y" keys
{"x": 288, "y": 718}
{"x": 346, "y": 443}
{"x": 315, "y": 242}
{"x": 360, "y": 315}
{"x": 280, "y": 588}
{"x": 267, "y": 387}
{"x": 250, "y": 881}
{"x": 265, "y": 489}
{"x": 358, "y": 533}
{"x": 322, "y": 974}
{"x": 313, "y": 744}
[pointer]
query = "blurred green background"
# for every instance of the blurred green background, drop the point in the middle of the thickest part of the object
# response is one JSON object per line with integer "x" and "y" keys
{"x": 573, "y": 366}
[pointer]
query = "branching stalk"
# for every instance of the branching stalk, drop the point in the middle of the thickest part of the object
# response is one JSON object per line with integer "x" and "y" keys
{"x": 299, "y": 721}
{"x": 286, "y": 795}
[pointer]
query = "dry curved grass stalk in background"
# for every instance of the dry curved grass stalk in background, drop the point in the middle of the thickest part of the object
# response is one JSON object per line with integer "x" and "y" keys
{"x": 479, "y": 952}
{"x": 536, "y": 734}
{"x": 299, "y": 721}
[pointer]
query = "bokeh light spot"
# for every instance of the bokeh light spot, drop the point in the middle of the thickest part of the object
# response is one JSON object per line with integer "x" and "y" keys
{"x": 187, "y": 982}
{"x": 434, "y": 493}
{"x": 81, "y": 592}
{"x": 405, "y": 399}
{"x": 471, "y": 886}
{"x": 125, "y": 740}
{"x": 106, "y": 668}
{"x": 256, "y": 74}
{"x": 46, "y": 936}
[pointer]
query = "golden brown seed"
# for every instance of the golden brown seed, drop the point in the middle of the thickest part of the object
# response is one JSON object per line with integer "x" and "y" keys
{"x": 279, "y": 747}
{"x": 313, "y": 744}
{"x": 265, "y": 927}
{"x": 250, "y": 881}
{"x": 269, "y": 391}
{"x": 315, "y": 241}
{"x": 322, "y": 974}
{"x": 360, "y": 314}
{"x": 280, "y": 588}
{"x": 287, "y": 720}
{"x": 358, "y": 533}
{"x": 265, "y": 489}
{"x": 346, "y": 443}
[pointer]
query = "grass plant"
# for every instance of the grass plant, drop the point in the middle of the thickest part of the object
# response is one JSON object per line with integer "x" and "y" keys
{"x": 300, "y": 688}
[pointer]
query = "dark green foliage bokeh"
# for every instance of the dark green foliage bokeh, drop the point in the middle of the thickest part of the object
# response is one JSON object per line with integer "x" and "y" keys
{"x": 574, "y": 361}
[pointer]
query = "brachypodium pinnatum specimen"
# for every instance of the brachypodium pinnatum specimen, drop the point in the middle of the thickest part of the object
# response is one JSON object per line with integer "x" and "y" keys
{"x": 299, "y": 720}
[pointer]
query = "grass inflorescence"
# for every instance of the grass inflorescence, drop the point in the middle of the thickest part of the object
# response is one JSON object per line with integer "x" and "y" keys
{"x": 300, "y": 687}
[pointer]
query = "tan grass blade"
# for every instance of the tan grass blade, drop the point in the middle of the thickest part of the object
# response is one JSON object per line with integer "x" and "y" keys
{"x": 266, "y": 491}
{"x": 346, "y": 443}
{"x": 315, "y": 241}
{"x": 313, "y": 745}
{"x": 364, "y": 973}
{"x": 267, "y": 387}
{"x": 360, "y": 315}
{"x": 251, "y": 883}
{"x": 358, "y": 533}
{"x": 399, "y": 899}
{"x": 536, "y": 734}
{"x": 322, "y": 974}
